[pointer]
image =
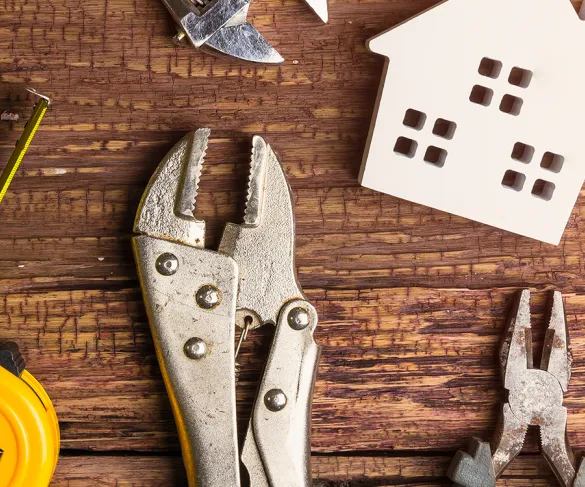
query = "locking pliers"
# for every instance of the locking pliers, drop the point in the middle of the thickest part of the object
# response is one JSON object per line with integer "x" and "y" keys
{"x": 196, "y": 297}
{"x": 534, "y": 398}
{"x": 221, "y": 27}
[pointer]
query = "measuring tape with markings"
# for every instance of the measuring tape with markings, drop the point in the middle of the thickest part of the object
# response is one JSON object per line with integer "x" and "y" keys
{"x": 43, "y": 103}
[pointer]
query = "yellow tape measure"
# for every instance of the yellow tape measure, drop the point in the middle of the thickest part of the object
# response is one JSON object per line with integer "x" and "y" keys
{"x": 30, "y": 129}
{"x": 29, "y": 430}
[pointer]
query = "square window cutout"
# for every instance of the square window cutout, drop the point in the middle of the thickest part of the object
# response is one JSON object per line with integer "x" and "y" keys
{"x": 543, "y": 189}
{"x": 553, "y": 162}
{"x": 511, "y": 104}
{"x": 435, "y": 156}
{"x": 481, "y": 95}
{"x": 514, "y": 180}
{"x": 405, "y": 147}
{"x": 444, "y": 128}
{"x": 490, "y": 68}
{"x": 523, "y": 152}
{"x": 414, "y": 119}
{"x": 520, "y": 77}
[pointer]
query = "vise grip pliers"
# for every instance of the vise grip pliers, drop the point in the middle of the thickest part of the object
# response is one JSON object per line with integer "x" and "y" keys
{"x": 195, "y": 298}
{"x": 29, "y": 430}
{"x": 534, "y": 398}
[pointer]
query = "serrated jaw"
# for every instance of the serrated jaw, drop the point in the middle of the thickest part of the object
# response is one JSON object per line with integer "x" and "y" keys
{"x": 166, "y": 210}
{"x": 191, "y": 174}
{"x": 256, "y": 182}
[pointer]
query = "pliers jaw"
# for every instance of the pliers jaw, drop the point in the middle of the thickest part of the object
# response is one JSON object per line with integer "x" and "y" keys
{"x": 167, "y": 206}
{"x": 264, "y": 245}
{"x": 516, "y": 349}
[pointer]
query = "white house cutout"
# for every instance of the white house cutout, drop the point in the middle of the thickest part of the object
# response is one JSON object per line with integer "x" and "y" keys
{"x": 481, "y": 113}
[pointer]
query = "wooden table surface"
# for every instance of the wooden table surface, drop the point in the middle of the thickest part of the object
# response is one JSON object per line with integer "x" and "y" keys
{"x": 412, "y": 301}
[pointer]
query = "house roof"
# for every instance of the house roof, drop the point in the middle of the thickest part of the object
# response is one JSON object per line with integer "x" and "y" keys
{"x": 465, "y": 12}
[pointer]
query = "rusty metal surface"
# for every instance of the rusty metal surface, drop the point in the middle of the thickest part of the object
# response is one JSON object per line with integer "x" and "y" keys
{"x": 535, "y": 398}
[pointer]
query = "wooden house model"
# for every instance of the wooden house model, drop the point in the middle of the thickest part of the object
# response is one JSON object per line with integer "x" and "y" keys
{"x": 481, "y": 113}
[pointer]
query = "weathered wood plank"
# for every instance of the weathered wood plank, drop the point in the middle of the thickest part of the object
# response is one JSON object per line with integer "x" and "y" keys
{"x": 402, "y": 369}
{"x": 73, "y": 244}
{"x": 110, "y": 471}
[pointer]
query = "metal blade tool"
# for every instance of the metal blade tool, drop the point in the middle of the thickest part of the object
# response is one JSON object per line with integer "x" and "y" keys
{"x": 220, "y": 26}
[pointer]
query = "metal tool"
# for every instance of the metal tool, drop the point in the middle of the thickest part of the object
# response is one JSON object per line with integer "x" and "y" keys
{"x": 30, "y": 129}
{"x": 534, "y": 398}
{"x": 29, "y": 430}
{"x": 195, "y": 298}
{"x": 221, "y": 27}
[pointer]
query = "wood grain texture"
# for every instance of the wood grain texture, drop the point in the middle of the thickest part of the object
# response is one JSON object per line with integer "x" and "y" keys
{"x": 412, "y": 301}
{"x": 400, "y": 367}
{"x": 111, "y": 471}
